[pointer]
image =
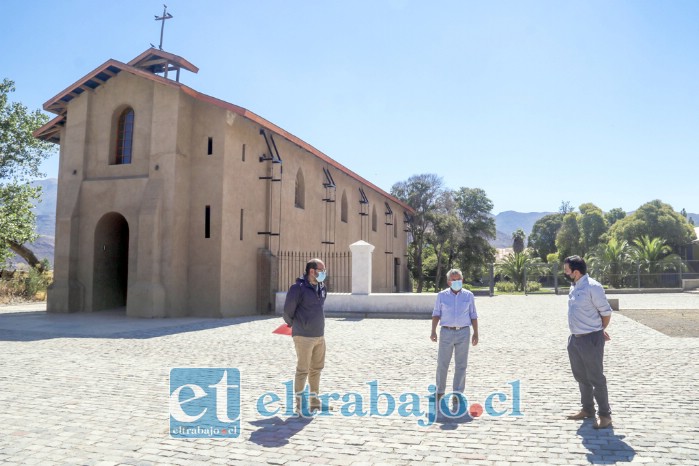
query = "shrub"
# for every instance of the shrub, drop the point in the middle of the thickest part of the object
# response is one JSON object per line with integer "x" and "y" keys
{"x": 35, "y": 282}
{"x": 25, "y": 285}
{"x": 505, "y": 287}
{"x": 10, "y": 289}
{"x": 533, "y": 286}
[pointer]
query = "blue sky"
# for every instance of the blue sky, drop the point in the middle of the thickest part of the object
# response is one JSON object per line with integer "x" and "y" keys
{"x": 536, "y": 102}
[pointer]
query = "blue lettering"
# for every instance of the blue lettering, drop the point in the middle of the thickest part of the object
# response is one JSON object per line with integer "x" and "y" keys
{"x": 374, "y": 400}
{"x": 325, "y": 402}
{"x": 289, "y": 384}
{"x": 304, "y": 400}
{"x": 516, "y": 399}
{"x": 489, "y": 404}
{"x": 431, "y": 407}
{"x": 414, "y": 403}
{"x": 444, "y": 405}
{"x": 357, "y": 405}
{"x": 262, "y": 404}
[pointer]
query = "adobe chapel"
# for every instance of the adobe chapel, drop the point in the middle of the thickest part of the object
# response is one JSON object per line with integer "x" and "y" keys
{"x": 174, "y": 203}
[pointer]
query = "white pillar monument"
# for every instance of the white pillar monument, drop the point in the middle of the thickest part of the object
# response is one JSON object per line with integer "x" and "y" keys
{"x": 361, "y": 267}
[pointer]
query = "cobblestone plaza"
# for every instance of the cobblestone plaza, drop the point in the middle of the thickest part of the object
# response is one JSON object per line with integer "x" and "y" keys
{"x": 94, "y": 389}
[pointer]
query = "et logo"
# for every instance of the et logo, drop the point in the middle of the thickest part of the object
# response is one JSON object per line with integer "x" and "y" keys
{"x": 204, "y": 402}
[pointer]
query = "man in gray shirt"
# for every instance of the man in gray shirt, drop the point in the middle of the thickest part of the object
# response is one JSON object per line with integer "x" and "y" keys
{"x": 588, "y": 317}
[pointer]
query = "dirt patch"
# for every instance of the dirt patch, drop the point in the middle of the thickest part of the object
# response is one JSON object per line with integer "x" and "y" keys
{"x": 671, "y": 322}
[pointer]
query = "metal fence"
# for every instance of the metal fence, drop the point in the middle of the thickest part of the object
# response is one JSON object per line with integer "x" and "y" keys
{"x": 647, "y": 274}
{"x": 543, "y": 278}
{"x": 549, "y": 278}
{"x": 292, "y": 264}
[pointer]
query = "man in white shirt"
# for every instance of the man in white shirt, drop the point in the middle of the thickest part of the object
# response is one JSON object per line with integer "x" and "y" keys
{"x": 455, "y": 310}
{"x": 589, "y": 314}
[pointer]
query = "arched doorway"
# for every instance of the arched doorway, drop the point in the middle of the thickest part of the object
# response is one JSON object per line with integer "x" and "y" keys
{"x": 111, "y": 265}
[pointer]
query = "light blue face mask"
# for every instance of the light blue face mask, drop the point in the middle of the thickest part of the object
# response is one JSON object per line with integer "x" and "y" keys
{"x": 456, "y": 285}
{"x": 321, "y": 276}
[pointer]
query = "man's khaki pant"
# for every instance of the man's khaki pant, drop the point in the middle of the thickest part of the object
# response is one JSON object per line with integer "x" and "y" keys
{"x": 310, "y": 352}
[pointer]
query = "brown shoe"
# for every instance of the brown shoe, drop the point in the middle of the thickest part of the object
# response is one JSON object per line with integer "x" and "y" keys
{"x": 603, "y": 423}
{"x": 322, "y": 408}
{"x": 580, "y": 416}
{"x": 437, "y": 398}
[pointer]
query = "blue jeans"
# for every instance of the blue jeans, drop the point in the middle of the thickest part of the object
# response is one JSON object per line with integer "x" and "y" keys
{"x": 454, "y": 342}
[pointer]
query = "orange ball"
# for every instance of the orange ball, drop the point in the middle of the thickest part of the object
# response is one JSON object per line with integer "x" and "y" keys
{"x": 475, "y": 410}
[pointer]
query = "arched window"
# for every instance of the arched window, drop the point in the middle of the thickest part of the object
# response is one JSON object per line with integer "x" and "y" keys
{"x": 343, "y": 207}
{"x": 300, "y": 196}
{"x": 124, "y": 139}
{"x": 373, "y": 219}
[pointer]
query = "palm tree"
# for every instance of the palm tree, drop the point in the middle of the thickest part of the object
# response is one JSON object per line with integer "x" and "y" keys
{"x": 519, "y": 266}
{"x": 607, "y": 261}
{"x": 518, "y": 240}
{"x": 653, "y": 257}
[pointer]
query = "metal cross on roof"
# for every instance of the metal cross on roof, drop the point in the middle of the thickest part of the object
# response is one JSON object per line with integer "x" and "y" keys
{"x": 165, "y": 16}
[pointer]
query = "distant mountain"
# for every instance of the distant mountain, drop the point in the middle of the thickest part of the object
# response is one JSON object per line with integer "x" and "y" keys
{"x": 502, "y": 240}
{"x": 45, "y": 211}
{"x": 509, "y": 221}
{"x": 49, "y": 188}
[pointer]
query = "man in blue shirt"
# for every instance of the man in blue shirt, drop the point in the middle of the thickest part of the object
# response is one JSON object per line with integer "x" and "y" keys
{"x": 588, "y": 317}
{"x": 455, "y": 310}
{"x": 303, "y": 312}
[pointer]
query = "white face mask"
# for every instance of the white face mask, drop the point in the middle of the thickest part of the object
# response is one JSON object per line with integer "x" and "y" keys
{"x": 456, "y": 285}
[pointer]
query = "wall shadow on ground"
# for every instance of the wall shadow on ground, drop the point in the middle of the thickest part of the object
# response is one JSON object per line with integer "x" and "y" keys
{"x": 40, "y": 325}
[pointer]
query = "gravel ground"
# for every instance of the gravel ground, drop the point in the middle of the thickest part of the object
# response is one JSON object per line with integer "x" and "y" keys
{"x": 671, "y": 322}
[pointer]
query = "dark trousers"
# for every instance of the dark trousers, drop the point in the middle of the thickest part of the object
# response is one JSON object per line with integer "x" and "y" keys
{"x": 586, "y": 355}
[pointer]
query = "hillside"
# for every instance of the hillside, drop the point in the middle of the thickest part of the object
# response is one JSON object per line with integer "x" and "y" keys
{"x": 509, "y": 221}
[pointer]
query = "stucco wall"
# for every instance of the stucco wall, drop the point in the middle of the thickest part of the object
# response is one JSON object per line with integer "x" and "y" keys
{"x": 173, "y": 270}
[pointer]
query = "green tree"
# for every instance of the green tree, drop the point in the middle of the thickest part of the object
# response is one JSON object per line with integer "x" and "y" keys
{"x": 473, "y": 209}
{"x": 542, "y": 239}
{"x": 429, "y": 266}
{"x": 445, "y": 236}
{"x": 420, "y": 192}
{"x": 609, "y": 262}
{"x": 552, "y": 258}
{"x": 565, "y": 208}
{"x": 518, "y": 240}
{"x": 683, "y": 212}
{"x": 519, "y": 267}
{"x": 20, "y": 157}
{"x": 655, "y": 219}
{"x": 614, "y": 215}
{"x": 568, "y": 237}
{"x": 654, "y": 256}
{"x": 592, "y": 226}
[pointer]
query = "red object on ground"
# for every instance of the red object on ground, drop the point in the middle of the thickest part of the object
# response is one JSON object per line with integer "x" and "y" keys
{"x": 283, "y": 329}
